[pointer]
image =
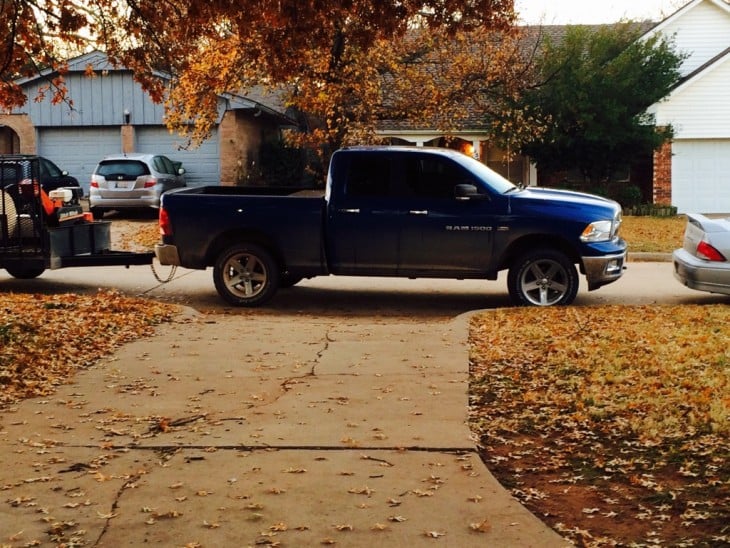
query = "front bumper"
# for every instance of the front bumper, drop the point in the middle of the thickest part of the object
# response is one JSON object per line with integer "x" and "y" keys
{"x": 167, "y": 254}
{"x": 603, "y": 270}
{"x": 701, "y": 275}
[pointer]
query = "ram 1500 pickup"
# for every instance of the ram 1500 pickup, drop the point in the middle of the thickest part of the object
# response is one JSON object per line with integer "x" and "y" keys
{"x": 396, "y": 211}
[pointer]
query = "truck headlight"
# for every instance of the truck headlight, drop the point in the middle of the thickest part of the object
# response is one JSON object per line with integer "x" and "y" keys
{"x": 598, "y": 231}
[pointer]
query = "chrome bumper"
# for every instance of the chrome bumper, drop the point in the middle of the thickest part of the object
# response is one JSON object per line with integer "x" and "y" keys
{"x": 603, "y": 270}
{"x": 713, "y": 277}
{"x": 167, "y": 254}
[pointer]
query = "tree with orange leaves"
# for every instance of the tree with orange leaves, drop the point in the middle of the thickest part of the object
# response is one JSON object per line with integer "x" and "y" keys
{"x": 209, "y": 47}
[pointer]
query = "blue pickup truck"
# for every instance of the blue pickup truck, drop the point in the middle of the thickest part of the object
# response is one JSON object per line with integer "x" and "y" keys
{"x": 415, "y": 212}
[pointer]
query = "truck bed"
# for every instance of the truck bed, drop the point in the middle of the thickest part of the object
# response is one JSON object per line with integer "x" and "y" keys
{"x": 292, "y": 216}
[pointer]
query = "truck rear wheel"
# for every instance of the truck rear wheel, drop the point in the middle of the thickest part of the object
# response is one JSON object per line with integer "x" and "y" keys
{"x": 246, "y": 275}
{"x": 542, "y": 278}
{"x": 25, "y": 272}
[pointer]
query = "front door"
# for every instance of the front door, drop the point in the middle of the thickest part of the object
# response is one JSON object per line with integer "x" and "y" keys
{"x": 441, "y": 234}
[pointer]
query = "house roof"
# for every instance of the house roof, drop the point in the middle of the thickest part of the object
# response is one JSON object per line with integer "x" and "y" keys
{"x": 705, "y": 68}
{"x": 661, "y": 26}
{"x": 98, "y": 61}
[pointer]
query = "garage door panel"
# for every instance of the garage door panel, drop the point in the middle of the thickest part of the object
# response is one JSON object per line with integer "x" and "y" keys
{"x": 78, "y": 150}
{"x": 701, "y": 176}
{"x": 202, "y": 165}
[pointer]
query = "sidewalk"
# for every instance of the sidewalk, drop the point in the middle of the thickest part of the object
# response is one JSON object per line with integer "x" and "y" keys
{"x": 251, "y": 429}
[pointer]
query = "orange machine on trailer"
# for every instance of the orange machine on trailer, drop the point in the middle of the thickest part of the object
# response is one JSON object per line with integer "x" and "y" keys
{"x": 40, "y": 230}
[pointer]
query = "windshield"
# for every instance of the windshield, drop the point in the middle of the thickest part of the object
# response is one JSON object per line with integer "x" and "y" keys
{"x": 495, "y": 181}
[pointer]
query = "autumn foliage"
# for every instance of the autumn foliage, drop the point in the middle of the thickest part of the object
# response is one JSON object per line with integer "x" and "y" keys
{"x": 219, "y": 46}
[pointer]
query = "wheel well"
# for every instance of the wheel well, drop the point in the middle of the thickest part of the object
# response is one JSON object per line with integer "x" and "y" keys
{"x": 228, "y": 239}
{"x": 528, "y": 243}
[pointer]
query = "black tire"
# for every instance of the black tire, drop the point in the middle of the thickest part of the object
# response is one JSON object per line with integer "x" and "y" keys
{"x": 25, "y": 272}
{"x": 246, "y": 275}
{"x": 287, "y": 280}
{"x": 544, "y": 277}
{"x": 97, "y": 213}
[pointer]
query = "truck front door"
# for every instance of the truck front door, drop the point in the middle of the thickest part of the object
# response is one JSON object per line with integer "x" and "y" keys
{"x": 443, "y": 235}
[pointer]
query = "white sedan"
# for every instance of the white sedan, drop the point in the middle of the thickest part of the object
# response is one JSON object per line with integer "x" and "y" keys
{"x": 703, "y": 262}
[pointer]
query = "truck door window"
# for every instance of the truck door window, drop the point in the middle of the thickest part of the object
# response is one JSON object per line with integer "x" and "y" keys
{"x": 434, "y": 177}
{"x": 368, "y": 176}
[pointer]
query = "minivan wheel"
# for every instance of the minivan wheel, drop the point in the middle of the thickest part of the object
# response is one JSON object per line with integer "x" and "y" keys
{"x": 542, "y": 278}
{"x": 246, "y": 275}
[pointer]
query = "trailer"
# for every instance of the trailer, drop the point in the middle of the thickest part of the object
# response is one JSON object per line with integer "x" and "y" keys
{"x": 42, "y": 230}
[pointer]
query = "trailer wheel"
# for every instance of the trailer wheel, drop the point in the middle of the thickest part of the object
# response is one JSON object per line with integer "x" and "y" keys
{"x": 25, "y": 272}
{"x": 246, "y": 275}
{"x": 544, "y": 277}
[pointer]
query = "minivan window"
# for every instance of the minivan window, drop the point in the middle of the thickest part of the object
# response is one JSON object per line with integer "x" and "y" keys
{"x": 163, "y": 165}
{"x": 123, "y": 168}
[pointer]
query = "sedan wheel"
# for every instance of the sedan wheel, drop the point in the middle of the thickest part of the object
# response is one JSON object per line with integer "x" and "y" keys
{"x": 543, "y": 278}
{"x": 246, "y": 275}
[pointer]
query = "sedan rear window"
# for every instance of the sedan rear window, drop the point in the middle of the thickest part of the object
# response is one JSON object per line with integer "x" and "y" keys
{"x": 122, "y": 170}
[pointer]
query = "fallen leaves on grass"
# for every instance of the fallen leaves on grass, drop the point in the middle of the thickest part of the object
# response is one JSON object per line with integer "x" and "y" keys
{"x": 653, "y": 234}
{"x": 609, "y": 423}
{"x": 44, "y": 339}
{"x": 135, "y": 235}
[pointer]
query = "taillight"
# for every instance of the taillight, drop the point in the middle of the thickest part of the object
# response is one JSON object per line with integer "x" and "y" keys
{"x": 706, "y": 251}
{"x": 150, "y": 182}
{"x": 165, "y": 225}
{"x": 29, "y": 188}
{"x": 94, "y": 184}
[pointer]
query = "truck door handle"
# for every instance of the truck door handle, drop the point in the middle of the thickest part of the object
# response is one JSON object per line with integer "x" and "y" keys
{"x": 418, "y": 212}
{"x": 348, "y": 210}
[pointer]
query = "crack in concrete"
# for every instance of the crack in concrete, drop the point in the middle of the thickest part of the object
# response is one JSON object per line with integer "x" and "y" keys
{"x": 265, "y": 447}
{"x": 115, "y": 505}
{"x": 286, "y": 384}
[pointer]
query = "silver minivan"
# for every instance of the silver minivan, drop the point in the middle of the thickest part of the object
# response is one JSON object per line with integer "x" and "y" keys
{"x": 133, "y": 180}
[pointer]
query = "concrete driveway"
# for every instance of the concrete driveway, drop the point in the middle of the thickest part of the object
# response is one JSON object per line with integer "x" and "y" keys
{"x": 335, "y": 415}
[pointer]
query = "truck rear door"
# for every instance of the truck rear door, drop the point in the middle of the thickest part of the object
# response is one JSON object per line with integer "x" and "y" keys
{"x": 363, "y": 218}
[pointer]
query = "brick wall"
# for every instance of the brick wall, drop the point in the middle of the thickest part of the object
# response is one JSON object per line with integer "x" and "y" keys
{"x": 662, "y": 182}
{"x": 21, "y": 125}
{"x": 129, "y": 139}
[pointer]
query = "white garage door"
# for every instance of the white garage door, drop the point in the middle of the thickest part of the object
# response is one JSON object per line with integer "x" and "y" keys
{"x": 78, "y": 150}
{"x": 701, "y": 175}
{"x": 202, "y": 164}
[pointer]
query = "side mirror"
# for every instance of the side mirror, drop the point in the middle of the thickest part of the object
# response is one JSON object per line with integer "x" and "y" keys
{"x": 181, "y": 171}
{"x": 466, "y": 192}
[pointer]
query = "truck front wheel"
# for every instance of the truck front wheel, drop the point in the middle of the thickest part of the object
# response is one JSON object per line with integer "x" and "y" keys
{"x": 246, "y": 275}
{"x": 542, "y": 278}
